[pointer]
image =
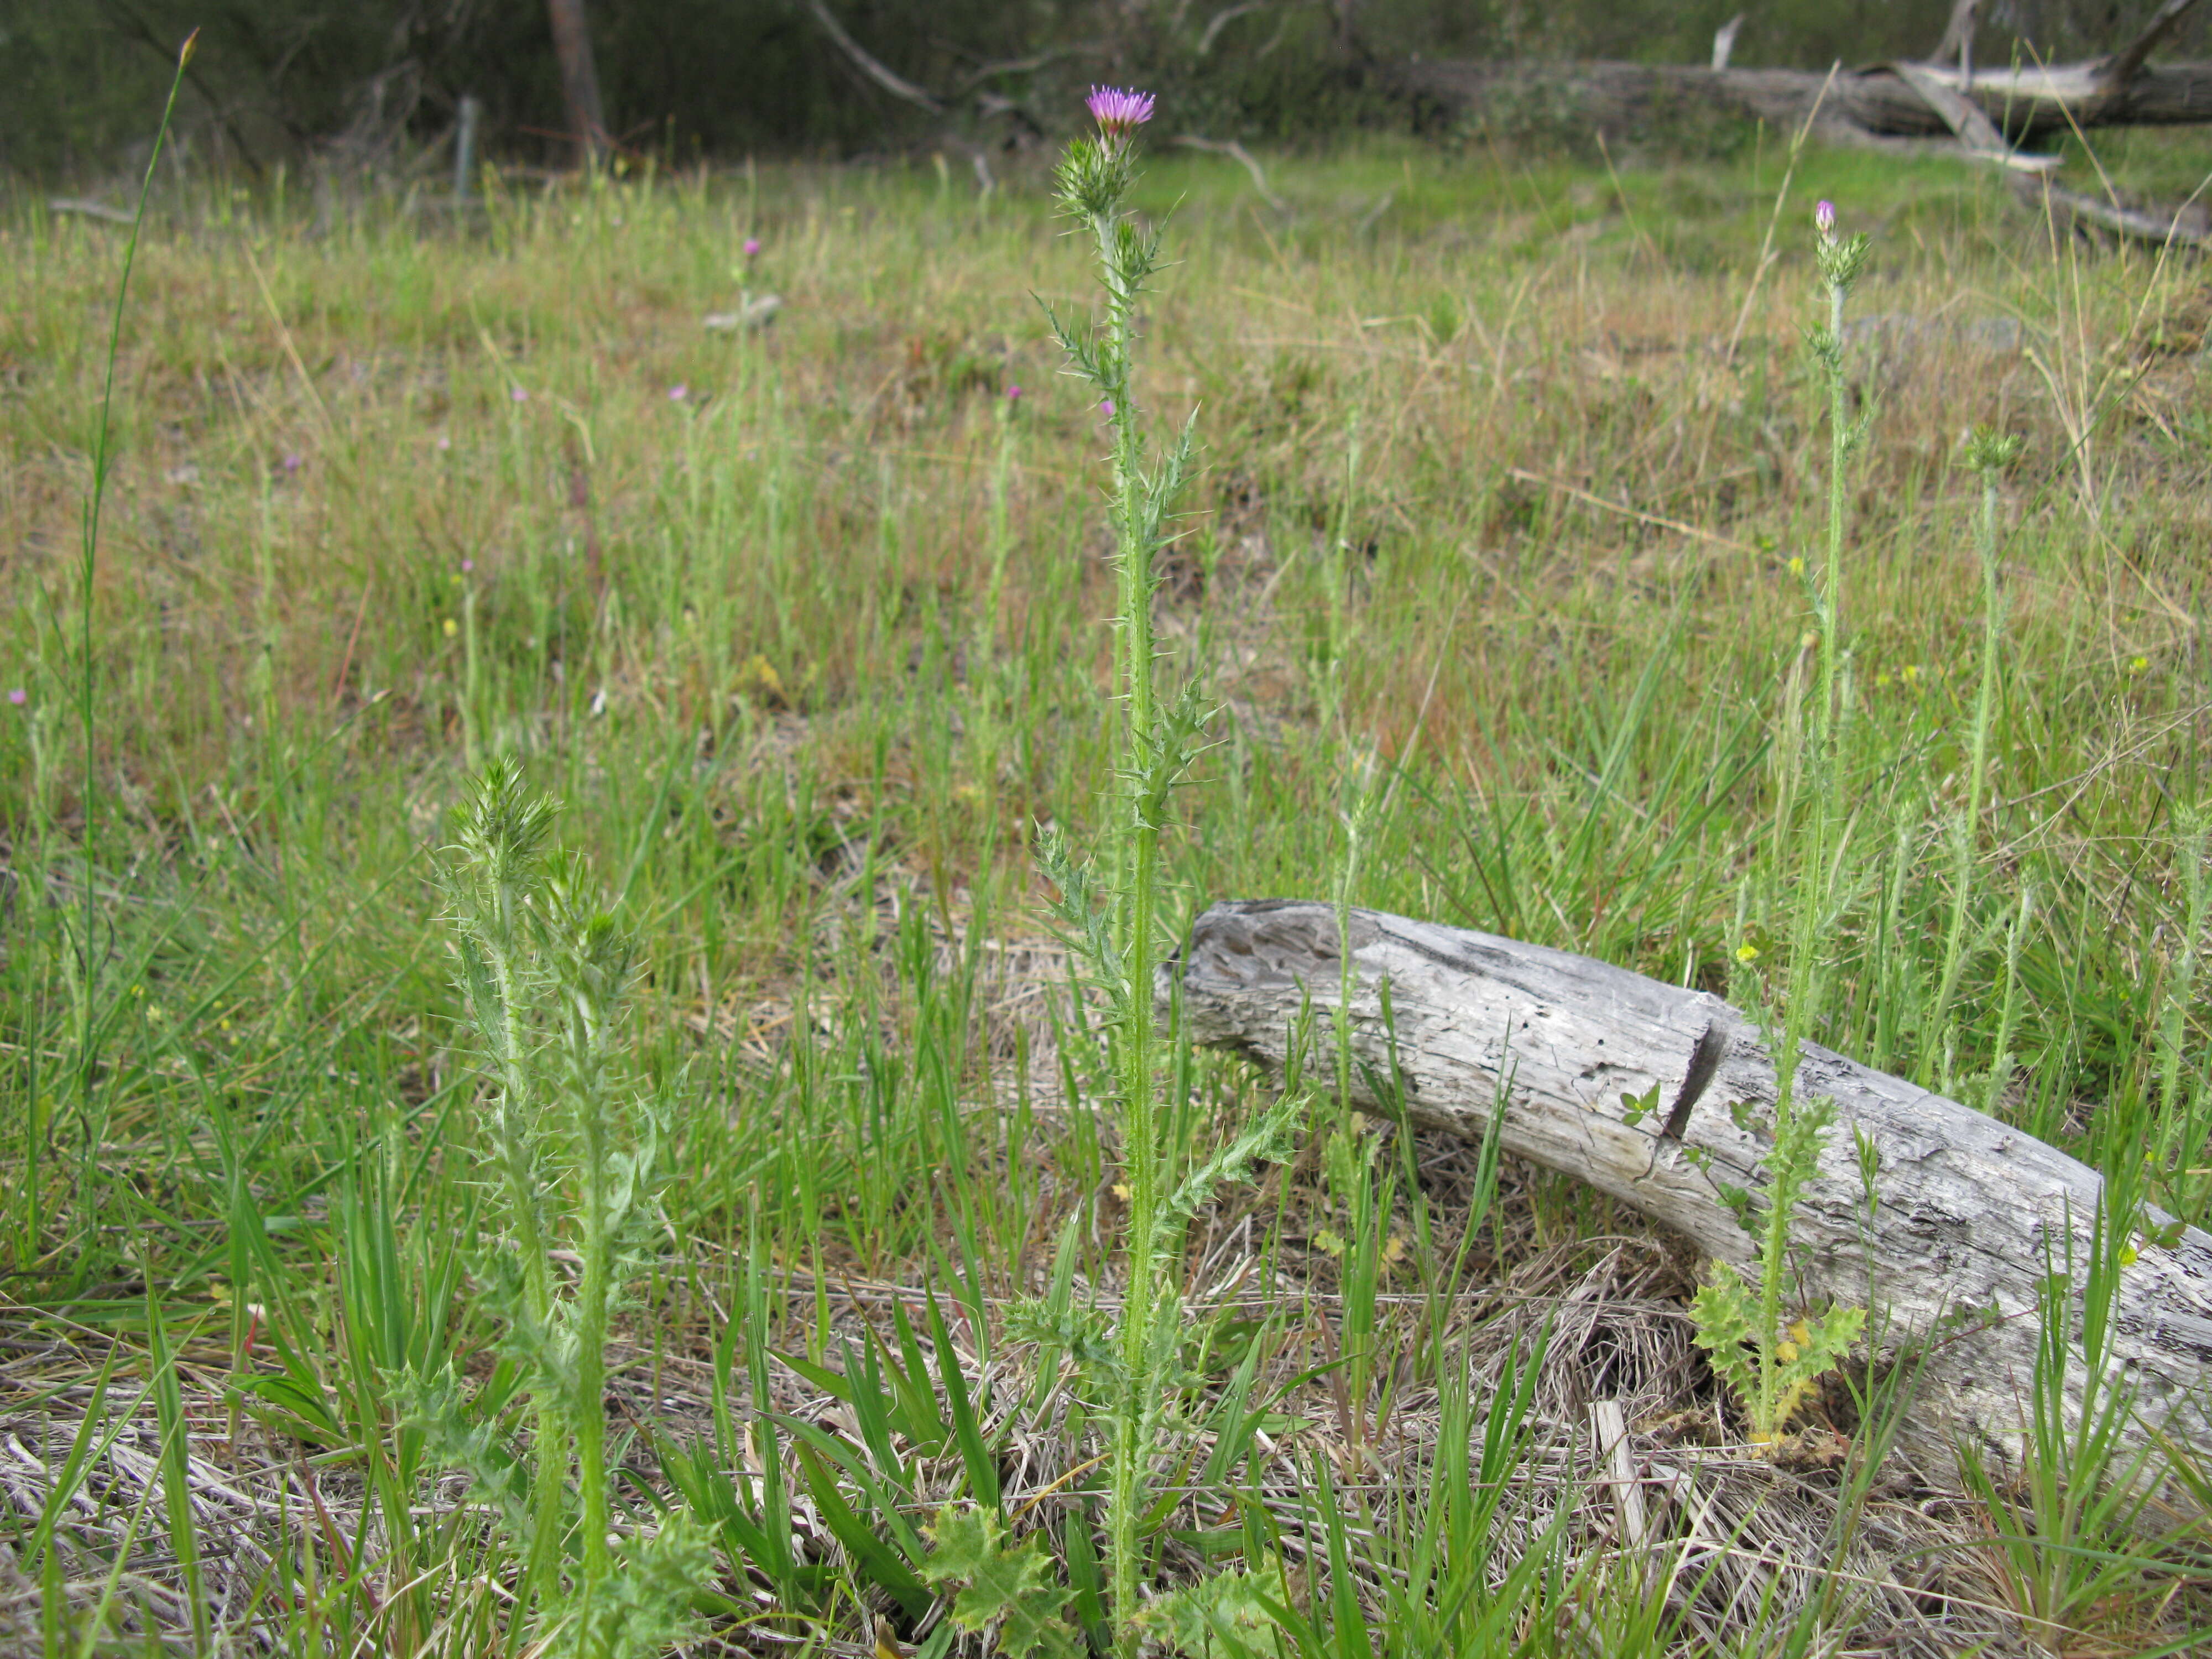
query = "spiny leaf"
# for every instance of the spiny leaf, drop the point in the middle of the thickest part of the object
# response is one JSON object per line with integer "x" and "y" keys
{"x": 1267, "y": 1139}
{"x": 1812, "y": 1349}
{"x": 1725, "y": 1316}
{"x": 1205, "y": 1619}
{"x": 998, "y": 1584}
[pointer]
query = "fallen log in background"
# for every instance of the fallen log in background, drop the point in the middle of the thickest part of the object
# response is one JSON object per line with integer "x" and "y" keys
{"x": 1967, "y": 1204}
{"x": 2028, "y": 104}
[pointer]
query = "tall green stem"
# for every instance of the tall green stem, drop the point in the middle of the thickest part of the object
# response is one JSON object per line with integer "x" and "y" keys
{"x": 1137, "y": 859}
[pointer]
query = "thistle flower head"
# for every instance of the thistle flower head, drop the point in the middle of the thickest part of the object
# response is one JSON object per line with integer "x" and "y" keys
{"x": 1093, "y": 177}
{"x": 1841, "y": 259}
{"x": 752, "y": 246}
{"x": 1119, "y": 113}
{"x": 1988, "y": 450}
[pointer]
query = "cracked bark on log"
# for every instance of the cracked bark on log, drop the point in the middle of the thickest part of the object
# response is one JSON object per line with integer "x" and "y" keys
{"x": 1967, "y": 1203}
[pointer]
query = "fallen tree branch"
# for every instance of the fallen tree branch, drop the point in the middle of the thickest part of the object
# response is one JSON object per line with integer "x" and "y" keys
{"x": 1967, "y": 1205}
{"x": 874, "y": 68}
{"x": 2123, "y": 66}
{"x": 1976, "y": 132}
{"x": 1237, "y": 153}
{"x": 1958, "y": 42}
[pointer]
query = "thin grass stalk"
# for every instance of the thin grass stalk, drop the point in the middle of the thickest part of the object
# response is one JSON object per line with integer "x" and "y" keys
{"x": 1988, "y": 453}
{"x": 87, "y": 974}
{"x": 176, "y": 1469}
{"x": 2182, "y": 1127}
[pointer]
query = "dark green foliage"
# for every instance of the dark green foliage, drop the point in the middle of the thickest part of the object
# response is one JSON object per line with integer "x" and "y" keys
{"x": 278, "y": 81}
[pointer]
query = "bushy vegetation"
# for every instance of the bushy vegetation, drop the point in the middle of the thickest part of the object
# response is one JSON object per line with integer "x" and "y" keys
{"x": 281, "y": 84}
{"x": 710, "y": 1211}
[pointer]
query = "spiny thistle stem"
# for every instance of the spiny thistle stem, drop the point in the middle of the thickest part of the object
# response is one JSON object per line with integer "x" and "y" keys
{"x": 1094, "y": 179}
{"x": 1841, "y": 261}
{"x": 598, "y": 965}
{"x": 503, "y": 843}
{"x": 544, "y": 972}
{"x": 1138, "y": 912}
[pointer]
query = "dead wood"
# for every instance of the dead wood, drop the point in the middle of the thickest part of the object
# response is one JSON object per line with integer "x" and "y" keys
{"x": 2028, "y": 104}
{"x": 1968, "y": 1206}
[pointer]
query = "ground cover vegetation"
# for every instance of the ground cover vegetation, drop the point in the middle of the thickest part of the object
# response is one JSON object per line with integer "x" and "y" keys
{"x": 579, "y": 887}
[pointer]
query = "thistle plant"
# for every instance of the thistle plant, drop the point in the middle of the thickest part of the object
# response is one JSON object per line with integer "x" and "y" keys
{"x": 1842, "y": 261}
{"x": 1768, "y": 1367}
{"x": 1117, "y": 930}
{"x": 544, "y": 973}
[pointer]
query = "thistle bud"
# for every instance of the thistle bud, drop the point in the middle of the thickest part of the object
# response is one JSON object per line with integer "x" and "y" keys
{"x": 1989, "y": 451}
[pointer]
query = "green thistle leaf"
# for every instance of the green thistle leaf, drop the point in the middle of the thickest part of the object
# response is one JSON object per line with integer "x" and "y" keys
{"x": 999, "y": 1585}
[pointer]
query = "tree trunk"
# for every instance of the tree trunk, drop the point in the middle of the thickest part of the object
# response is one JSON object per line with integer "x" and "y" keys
{"x": 579, "y": 77}
{"x": 1967, "y": 1206}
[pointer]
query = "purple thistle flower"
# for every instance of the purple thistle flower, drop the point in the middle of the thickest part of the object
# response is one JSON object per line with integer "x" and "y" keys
{"x": 1013, "y": 394}
{"x": 291, "y": 461}
{"x": 752, "y": 246}
{"x": 19, "y": 697}
{"x": 1106, "y": 407}
{"x": 1824, "y": 217}
{"x": 444, "y": 441}
{"x": 678, "y": 393}
{"x": 467, "y": 565}
{"x": 519, "y": 395}
{"x": 1117, "y": 112}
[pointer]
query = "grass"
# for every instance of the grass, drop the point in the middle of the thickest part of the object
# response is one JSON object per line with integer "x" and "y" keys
{"x": 1489, "y": 575}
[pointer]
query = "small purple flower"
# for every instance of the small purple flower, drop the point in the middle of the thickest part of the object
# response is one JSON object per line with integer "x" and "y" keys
{"x": 19, "y": 697}
{"x": 678, "y": 393}
{"x": 1824, "y": 217}
{"x": 1117, "y": 112}
{"x": 519, "y": 395}
{"x": 1106, "y": 407}
{"x": 1013, "y": 394}
{"x": 467, "y": 565}
{"x": 444, "y": 441}
{"x": 752, "y": 246}
{"x": 291, "y": 461}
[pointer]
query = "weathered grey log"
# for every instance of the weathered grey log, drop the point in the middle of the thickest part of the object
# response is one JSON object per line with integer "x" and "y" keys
{"x": 1966, "y": 1204}
{"x": 2029, "y": 103}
